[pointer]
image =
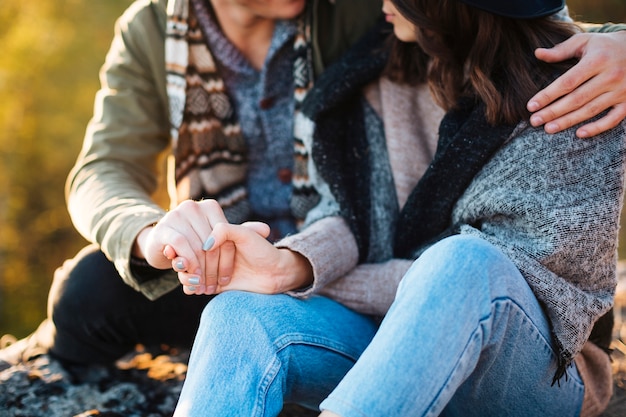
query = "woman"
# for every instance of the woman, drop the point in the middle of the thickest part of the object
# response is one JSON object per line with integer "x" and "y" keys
{"x": 536, "y": 218}
{"x": 496, "y": 319}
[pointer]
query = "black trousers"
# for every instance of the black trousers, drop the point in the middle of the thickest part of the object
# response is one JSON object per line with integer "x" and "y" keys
{"x": 94, "y": 317}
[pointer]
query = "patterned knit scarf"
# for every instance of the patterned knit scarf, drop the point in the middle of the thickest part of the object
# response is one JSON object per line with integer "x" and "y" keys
{"x": 209, "y": 149}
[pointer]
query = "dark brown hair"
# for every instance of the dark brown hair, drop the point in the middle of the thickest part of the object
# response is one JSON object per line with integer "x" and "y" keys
{"x": 464, "y": 51}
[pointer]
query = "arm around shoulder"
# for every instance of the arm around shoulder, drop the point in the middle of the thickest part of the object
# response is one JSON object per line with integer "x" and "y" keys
{"x": 596, "y": 83}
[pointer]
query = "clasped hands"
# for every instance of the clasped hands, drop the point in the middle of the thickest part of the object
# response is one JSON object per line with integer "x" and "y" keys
{"x": 211, "y": 256}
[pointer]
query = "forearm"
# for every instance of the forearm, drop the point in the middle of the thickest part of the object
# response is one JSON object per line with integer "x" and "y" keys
{"x": 109, "y": 189}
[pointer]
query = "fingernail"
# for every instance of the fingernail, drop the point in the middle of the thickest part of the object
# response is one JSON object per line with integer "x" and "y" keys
{"x": 536, "y": 120}
{"x": 194, "y": 280}
{"x": 582, "y": 134}
{"x": 552, "y": 127}
{"x": 224, "y": 280}
{"x": 533, "y": 106}
{"x": 180, "y": 265}
{"x": 191, "y": 288}
{"x": 209, "y": 243}
{"x": 210, "y": 289}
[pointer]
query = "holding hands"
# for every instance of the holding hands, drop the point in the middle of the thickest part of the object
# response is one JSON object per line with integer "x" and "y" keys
{"x": 212, "y": 256}
{"x": 177, "y": 241}
{"x": 259, "y": 266}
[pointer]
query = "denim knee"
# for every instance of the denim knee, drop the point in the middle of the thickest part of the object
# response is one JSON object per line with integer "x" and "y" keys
{"x": 464, "y": 254}
{"x": 239, "y": 304}
{"x": 240, "y": 315}
{"x": 279, "y": 320}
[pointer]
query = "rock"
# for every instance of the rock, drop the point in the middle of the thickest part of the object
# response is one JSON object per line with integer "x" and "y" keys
{"x": 139, "y": 385}
{"x": 146, "y": 383}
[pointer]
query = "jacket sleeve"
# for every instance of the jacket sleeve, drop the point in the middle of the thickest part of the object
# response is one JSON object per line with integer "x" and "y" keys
{"x": 603, "y": 28}
{"x": 109, "y": 189}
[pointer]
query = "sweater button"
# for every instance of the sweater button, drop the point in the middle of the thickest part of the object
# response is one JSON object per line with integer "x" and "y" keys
{"x": 266, "y": 103}
{"x": 284, "y": 175}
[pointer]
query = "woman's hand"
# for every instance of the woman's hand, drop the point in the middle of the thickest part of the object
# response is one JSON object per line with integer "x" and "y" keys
{"x": 259, "y": 266}
{"x": 596, "y": 83}
{"x": 177, "y": 241}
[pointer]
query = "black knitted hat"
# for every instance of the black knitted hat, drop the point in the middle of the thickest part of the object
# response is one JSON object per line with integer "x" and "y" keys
{"x": 518, "y": 9}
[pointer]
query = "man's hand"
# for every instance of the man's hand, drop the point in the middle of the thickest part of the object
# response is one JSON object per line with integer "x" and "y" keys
{"x": 177, "y": 242}
{"x": 596, "y": 83}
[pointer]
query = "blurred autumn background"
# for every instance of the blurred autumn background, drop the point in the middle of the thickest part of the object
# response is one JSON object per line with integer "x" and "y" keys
{"x": 50, "y": 54}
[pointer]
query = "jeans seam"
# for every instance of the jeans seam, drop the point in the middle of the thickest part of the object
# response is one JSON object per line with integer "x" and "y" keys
{"x": 475, "y": 333}
{"x": 268, "y": 380}
{"x": 288, "y": 340}
{"x": 329, "y": 344}
{"x": 445, "y": 385}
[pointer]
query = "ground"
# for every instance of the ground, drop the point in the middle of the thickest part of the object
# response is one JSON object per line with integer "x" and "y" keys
{"x": 146, "y": 383}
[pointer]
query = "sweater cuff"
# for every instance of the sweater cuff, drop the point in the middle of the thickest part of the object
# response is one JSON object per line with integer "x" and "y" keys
{"x": 329, "y": 246}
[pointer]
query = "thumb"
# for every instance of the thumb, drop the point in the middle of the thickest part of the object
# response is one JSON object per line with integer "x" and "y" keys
{"x": 238, "y": 234}
{"x": 570, "y": 48}
{"x": 261, "y": 228}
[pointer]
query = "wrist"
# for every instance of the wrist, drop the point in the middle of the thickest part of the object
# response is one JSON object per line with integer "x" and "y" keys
{"x": 139, "y": 245}
{"x": 298, "y": 271}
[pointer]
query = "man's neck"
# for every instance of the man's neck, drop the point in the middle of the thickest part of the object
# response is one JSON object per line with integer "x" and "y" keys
{"x": 249, "y": 33}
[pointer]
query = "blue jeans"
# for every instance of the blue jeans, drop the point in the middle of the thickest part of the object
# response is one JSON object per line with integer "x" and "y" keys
{"x": 465, "y": 336}
{"x": 254, "y": 352}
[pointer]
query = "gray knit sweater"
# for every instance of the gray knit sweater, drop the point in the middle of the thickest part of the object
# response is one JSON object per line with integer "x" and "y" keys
{"x": 552, "y": 204}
